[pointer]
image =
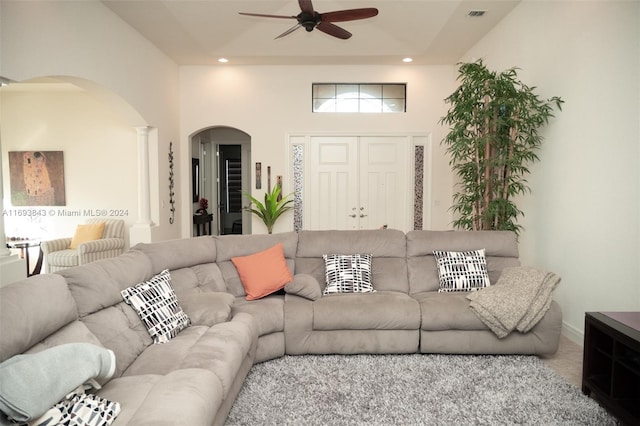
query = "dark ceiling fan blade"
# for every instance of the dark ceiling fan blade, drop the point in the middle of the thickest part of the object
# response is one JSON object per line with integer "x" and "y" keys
{"x": 310, "y": 19}
{"x": 289, "y": 31}
{"x": 349, "y": 15}
{"x": 333, "y": 30}
{"x": 267, "y": 16}
{"x": 306, "y": 6}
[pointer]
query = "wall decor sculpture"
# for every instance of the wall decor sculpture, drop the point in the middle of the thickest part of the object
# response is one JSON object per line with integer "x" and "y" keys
{"x": 258, "y": 175}
{"x": 172, "y": 200}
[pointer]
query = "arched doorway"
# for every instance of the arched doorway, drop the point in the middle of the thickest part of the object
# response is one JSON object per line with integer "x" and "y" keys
{"x": 92, "y": 132}
{"x": 221, "y": 157}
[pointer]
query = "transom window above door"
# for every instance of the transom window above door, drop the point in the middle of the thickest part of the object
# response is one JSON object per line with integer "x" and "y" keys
{"x": 359, "y": 97}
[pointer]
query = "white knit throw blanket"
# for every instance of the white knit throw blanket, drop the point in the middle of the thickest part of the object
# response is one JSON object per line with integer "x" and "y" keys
{"x": 517, "y": 301}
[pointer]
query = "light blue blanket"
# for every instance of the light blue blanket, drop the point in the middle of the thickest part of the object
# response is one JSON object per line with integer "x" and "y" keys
{"x": 31, "y": 384}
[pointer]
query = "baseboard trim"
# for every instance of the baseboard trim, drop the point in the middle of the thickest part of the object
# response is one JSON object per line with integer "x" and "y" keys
{"x": 572, "y": 333}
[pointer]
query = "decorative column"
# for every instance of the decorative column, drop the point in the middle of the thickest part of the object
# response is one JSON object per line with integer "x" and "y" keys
{"x": 144, "y": 198}
{"x": 12, "y": 268}
{"x": 4, "y": 251}
{"x": 141, "y": 231}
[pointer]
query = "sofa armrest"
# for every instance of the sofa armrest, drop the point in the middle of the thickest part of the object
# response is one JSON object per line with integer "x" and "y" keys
{"x": 304, "y": 285}
{"x": 55, "y": 245}
{"x": 104, "y": 244}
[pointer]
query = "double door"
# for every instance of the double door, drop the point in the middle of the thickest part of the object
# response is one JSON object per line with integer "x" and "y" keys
{"x": 359, "y": 182}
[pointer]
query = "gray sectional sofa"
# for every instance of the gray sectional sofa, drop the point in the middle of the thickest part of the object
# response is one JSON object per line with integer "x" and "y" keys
{"x": 195, "y": 377}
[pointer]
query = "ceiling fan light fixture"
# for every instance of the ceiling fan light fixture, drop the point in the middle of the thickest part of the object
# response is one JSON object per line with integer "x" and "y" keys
{"x": 223, "y": 60}
{"x": 309, "y": 19}
{"x": 407, "y": 60}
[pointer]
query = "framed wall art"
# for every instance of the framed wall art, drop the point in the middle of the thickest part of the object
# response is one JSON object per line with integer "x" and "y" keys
{"x": 37, "y": 178}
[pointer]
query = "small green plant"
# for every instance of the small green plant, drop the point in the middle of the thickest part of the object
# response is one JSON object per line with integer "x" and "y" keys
{"x": 494, "y": 120}
{"x": 272, "y": 209}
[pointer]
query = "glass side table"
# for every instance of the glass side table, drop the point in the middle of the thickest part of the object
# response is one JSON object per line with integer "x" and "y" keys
{"x": 23, "y": 246}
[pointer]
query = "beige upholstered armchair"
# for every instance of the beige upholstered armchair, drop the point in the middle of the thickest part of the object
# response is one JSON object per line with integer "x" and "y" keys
{"x": 58, "y": 255}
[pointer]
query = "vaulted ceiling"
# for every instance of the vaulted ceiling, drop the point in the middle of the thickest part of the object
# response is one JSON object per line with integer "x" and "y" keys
{"x": 199, "y": 32}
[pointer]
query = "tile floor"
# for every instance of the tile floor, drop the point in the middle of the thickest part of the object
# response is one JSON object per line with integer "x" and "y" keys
{"x": 567, "y": 361}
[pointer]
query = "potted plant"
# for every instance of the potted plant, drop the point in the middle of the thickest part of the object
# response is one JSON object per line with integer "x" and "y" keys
{"x": 204, "y": 205}
{"x": 494, "y": 120}
{"x": 274, "y": 206}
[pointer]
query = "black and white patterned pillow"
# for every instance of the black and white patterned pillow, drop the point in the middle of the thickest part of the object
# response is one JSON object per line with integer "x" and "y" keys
{"x": 82, "y": 409}
{"x": 462, "y": 270}
{"x": 350, "y": 273}
{"x": 157, "y": 306}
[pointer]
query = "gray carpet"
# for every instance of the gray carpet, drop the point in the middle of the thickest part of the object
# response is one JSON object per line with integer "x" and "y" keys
{"x": 411, "y": 390}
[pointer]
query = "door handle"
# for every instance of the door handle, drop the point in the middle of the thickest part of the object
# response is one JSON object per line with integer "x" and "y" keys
{"x": 363, "y": 215}
{"x": 352, "y": 215}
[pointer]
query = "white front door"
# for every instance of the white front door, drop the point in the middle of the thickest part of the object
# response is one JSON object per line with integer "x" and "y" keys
{"x": 384, "y": 188}
{"x": 333, "y": 183}
{"x": 358, "y": 182}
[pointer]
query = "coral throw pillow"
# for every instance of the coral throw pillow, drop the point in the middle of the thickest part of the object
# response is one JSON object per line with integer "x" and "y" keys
{"x": 264, "y": 272}
{"x": 84, "y": 233}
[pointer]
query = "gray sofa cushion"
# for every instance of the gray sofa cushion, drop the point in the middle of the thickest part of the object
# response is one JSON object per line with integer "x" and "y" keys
{"x": 383, "y": 310}
{"x": 74, "y": 332}
{"x": 183, "y": 397}
{"x": 31, "y": 310}
{"x": 447, "y": 311}
{"x": 220, "y": 349}
{"x": 197, "y": 278}
{"x": 268, "y": 312}
{"x": 119, "y": 328}
{"x": 96, "y": 288}
{"x": 181, "y": 253}
{"x": 97, "y": 285}
{"x": 191, "y": 262}
{"x": 304, "y": 285}
{"x": 387, "y": 247}
{"x": 207, "y": 308}
{"x": 541, "y": 340}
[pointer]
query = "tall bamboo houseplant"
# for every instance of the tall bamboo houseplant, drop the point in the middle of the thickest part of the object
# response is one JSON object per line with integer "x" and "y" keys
{"x": 494, "y": 120}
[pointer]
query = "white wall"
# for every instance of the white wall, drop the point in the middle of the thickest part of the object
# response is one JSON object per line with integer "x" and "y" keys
{"x": 583, "y": 217}
{"x": 269, "y": 102}
{"x": 86, "y": 40}
{"x": 582, "y": 220}
{"x": 99, "y": 158}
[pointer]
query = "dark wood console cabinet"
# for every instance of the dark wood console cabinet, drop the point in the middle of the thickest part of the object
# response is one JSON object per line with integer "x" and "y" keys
{"x": 611, "y": 364}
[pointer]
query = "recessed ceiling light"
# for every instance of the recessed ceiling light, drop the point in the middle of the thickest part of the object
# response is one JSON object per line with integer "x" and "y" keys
{"x": 407, "y": 60}
{"x": 477, "y": 13}
{"x": 223, "y": 60}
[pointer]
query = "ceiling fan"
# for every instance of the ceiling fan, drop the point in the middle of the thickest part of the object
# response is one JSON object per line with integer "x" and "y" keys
{"x": 310, "y": 19}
